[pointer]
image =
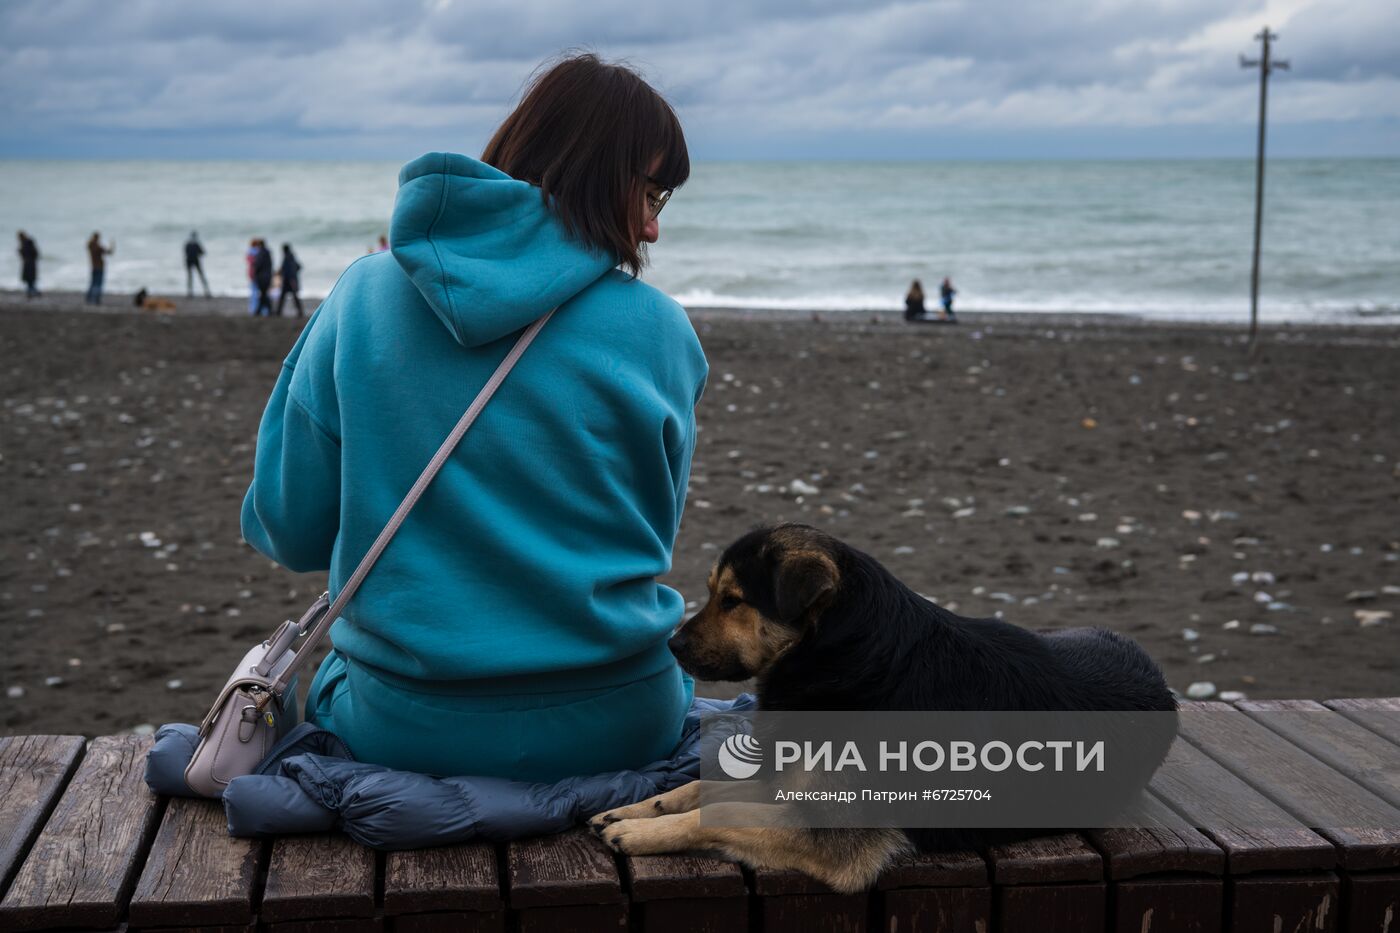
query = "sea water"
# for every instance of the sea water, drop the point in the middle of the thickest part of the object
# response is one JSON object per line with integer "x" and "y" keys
{"x": 1155, "y": 238}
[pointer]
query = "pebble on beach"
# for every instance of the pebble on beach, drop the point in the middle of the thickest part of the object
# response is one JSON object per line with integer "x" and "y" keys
{"x": 1201, "y": 690}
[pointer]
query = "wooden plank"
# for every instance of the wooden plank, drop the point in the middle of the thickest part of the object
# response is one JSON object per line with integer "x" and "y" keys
{"x": 1049, "y": 883}
{"x": 316, "y": 877}
{"x": 693, "y": 915}
{"x": 814, "y": 913}
{"x": 576, "y": 918}
{"x": 1270, "y": 903}
{"x": 1161, "y": 845}
{"x": 1052, "y": 908}
{"x": 1380, "y": 715}
{"x": 775, "y": 882}
{"x": 792, "y": 900}
{"x": 1343, "y": 745}
{"x": 332, "y": 925}
{"x": 1365, "y": 829}
{"x": 1255, "y": 834}
{"x": 1060, "y": 858}
{"x": 34, "y": 769}
{"x": 935, "y": 870}
{"x": 572, "y": 867}
{"x": 1371, "y": 902}
{"x": 937, "y": 910}
{"x": 196, "y": 873}
{"x": 936, "y": 891}
{"x": 659, "y": 877}
{"x": 1169, "y": 905}
{"x": 81, "y": 869}
{"x": 453, "y": 921}
{"x": 683, "y": 892}
{"x": 448, "y": 878}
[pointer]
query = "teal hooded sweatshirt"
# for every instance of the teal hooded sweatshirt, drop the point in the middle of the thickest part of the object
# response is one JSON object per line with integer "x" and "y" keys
{"x": 514, "y": 625}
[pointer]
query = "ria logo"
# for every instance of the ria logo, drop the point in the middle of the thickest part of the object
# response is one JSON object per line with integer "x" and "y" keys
{"x": 740, "y": 756}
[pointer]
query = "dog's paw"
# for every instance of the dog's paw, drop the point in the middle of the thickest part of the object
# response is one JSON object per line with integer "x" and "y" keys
{"x": 648, "y": 836}
{"x": 625, "y": 837}
{"x": 602, "y": 821}
{"x": 612, "y": 838}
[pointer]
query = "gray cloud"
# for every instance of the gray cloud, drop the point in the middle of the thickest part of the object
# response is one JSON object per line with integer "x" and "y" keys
{"x": 354, "y": 68}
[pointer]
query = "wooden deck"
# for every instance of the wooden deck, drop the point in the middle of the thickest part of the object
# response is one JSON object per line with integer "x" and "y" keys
{"x": 84, "y": 845}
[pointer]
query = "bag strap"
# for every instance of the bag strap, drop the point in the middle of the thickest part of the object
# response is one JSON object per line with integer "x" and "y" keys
{"x": 322, "y": 624}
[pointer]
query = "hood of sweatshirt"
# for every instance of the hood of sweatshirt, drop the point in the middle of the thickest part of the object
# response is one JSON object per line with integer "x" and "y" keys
{"x": 487, "y": 254}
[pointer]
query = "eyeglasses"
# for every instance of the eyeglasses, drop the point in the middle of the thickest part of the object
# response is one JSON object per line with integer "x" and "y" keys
{"x": 655, "y": 202}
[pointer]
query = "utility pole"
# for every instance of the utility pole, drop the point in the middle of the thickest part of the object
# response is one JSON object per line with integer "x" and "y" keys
{"x": 1266, "y": 64}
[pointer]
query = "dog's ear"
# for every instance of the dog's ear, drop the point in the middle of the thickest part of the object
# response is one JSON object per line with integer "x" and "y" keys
{"x": 803, "y": 582}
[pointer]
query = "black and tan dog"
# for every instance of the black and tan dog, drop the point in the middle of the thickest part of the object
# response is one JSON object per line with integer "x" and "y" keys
{"x": 823, "y": 626}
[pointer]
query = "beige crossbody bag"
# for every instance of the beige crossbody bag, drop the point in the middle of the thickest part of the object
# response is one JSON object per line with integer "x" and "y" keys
{"x": 257, "y": 705}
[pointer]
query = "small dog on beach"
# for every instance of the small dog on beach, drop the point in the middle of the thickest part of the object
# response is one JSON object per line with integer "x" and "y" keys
{"x": 823, "y": 626}
{"x": 149, "y": 302}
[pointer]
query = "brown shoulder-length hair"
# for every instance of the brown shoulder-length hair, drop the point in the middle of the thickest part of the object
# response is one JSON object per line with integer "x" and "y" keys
{"x": 586, "y": 132}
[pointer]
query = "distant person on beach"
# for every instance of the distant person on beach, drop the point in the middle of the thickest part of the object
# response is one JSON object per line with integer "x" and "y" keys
{"x": 262, "y": 278}
{"x": 518, "y": 609}
{"x": 194, "y": 250}
{"x": 290, "y": 273}
{"x": 383, "y": 244}
{"x": 28, "y": 265}
{"x": 250, "y": 258}
{"x": 97, "y": 258}
{"x": 946, "y": 291}
{"x": 914, "y": 303}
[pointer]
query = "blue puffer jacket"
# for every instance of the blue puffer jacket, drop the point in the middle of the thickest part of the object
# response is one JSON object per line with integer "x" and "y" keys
{"x": 310, "y": 783}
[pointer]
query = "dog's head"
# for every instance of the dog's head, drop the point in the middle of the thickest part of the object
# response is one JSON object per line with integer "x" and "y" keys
{"x": 767, "y": 592}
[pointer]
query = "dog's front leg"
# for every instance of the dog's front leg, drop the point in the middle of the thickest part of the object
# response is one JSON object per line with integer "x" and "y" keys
{"x": 847, "y": 860}
{"x": 676, "y": 832}
{"x": 680, "y": 800}
{"x": 683, "y": 798}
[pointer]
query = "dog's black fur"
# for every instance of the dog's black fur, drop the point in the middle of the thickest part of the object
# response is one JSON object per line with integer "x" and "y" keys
{"x": 872, "y": 643}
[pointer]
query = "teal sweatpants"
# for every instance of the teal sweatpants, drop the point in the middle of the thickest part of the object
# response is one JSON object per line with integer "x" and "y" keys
{"x": 540, "y": 735}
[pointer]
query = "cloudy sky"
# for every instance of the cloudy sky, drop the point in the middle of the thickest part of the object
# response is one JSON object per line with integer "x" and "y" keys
{"x": 750, "y": 79}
